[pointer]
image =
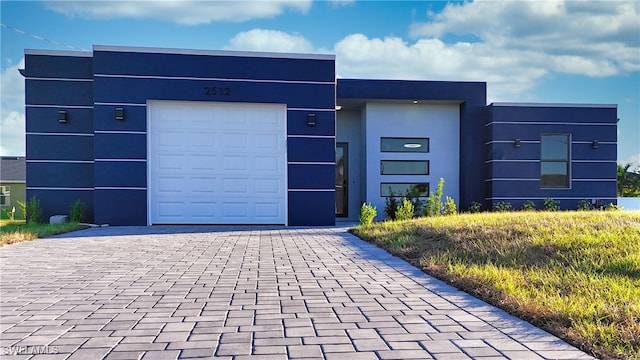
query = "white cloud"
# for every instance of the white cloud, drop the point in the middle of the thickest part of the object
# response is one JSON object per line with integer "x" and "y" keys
{"x": 593, "y": 38}
{"x": 12, "y": 118}
{"x": 634, "y": 160}
{"x": 186, "y": 12}
{"x": 432, "y": 59}
{"x": 338, "y": 3}
{"x": 270, "y": 41}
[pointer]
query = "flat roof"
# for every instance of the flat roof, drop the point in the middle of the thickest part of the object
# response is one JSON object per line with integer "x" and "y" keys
{"x": 58, "y": 52}
{"x": 158, "y": 50}
{"x": 513, "y": 104}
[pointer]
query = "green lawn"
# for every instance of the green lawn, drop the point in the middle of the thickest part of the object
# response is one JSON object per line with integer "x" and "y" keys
{"x": 12, "y": 232}
{"x": 574, "y": 274}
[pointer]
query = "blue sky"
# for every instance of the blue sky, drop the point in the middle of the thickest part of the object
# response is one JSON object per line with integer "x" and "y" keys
{"x": 526, "y": 51}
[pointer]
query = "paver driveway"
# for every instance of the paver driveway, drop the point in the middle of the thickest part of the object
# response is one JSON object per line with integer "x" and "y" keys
{"x": 189, "y": 292}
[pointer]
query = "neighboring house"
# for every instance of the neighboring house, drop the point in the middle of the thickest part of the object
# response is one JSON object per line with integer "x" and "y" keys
{"x": 13, "y": 178}
{"x": 171, "y": 136}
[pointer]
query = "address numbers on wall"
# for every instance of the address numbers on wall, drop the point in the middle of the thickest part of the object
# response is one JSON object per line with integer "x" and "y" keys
{"x": 217, "y": 91}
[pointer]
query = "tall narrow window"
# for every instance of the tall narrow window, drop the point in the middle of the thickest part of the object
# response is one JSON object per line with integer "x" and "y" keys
{"x": 555, "y": 162}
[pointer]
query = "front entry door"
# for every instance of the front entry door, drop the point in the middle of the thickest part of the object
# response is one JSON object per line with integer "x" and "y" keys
{"x": 342, "y": 179}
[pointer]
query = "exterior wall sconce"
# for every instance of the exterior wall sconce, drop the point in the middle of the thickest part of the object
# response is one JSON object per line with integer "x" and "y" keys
{"x": 62, "y": 116}
{"x": 516, "y": 143}
{"x": 311, "y": 119}
{"x": 595, "y": 143}
{"x": 120, "y": 113}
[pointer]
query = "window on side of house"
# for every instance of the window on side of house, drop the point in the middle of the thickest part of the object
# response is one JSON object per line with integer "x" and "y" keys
{"x": 404, "y": 167}
{"x": 5, "y": 195}
{"x": 555, "y": 163}
{"x": 388, "y": 189}
{"x": 392, "y": 144}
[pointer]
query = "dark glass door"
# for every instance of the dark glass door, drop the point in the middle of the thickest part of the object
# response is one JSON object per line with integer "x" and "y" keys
{"x": 342, "y": 180}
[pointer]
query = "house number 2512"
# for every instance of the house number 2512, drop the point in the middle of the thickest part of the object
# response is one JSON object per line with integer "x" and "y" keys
{"x": 217, "y": 91}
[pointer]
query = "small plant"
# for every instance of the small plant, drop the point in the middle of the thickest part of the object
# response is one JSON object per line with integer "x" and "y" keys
{"x": 413, "y": 195}
{"x": 23, "y": 209}
{"x": 368, "y": 212}
{"x": 613, "y": 207}
{"x": 76, "y": 213}
{"x": 450, "y": 207}
{"x": 550, "y": 204}
{"x": 33, "y": 211}
{"x": 585, "y": 205}
{"x": 405, "y": 211}
{"x": 391, "y": 204}
{"x": 475, "y": 207}
{"x": 502, "y": 206}
{"x": 528, "y": 206}
{"x": 434, "y": 205}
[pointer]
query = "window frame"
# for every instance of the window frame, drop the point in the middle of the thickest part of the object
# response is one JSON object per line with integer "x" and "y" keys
{"x": 566, "y": 162}
{"x": 384, "y": 185}
{"x": 406, "y": 139}
{"x": 5, "y": 195}
{"x": 428, "y": 167}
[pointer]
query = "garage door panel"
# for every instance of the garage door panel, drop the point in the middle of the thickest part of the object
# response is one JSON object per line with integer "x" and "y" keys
{"x": 268, "y": 209}
{"x": 235, "y": 186}
{"x": 267, "y": 186}
{"x": 217, "y": 163}
{"x": 235, "y": 162}
{"x": 203, "y": 185}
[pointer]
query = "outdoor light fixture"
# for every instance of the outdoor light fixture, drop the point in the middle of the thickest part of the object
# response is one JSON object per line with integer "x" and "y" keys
{"x": 311, "y": 119}
{"x": 516, "y": 143}
{"x": 595, "y": 143}
{"x": 119, "y": 113}
{"x": 415, "y": 101}
{"x": 62, "y": 116}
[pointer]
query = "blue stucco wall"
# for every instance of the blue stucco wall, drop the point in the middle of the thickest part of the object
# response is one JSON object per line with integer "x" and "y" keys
{"x": 515, "y": 172}
{"x": 129, "y": 77}
{"x": 59, "y": 155}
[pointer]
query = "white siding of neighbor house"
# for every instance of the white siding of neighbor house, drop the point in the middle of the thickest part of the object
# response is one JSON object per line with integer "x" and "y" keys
{"x": 438, "y": 122}
{"x": 629, "y": 203}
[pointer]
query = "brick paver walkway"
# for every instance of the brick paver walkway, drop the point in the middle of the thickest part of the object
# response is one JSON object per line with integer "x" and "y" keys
{"x": 193, "y": 292}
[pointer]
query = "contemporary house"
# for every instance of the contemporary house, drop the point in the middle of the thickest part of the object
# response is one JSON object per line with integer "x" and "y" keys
{"x": 148, "y": 136}
{"x": 13, "y": 179}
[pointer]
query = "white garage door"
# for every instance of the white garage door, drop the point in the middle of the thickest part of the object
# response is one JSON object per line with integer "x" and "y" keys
{"x": 217, "y": 163}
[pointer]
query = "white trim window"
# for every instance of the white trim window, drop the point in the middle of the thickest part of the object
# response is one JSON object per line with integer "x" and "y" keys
{"x": 5, "y": 195}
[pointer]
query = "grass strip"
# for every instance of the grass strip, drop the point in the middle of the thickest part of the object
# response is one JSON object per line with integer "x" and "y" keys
{"x": 574, "y": 274}
{"x": 15, "y": 232}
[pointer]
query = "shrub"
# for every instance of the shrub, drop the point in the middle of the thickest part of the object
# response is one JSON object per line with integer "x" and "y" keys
{"x": 33, "y": 211}
{"x": 613, "y": 207}
{"x": 585, "y": 205}
{"x": 405, "y": 211}
{"x": 550, "y": 204}
{"x": 413, "y": 195}
{"x": 391, "y": 205}
{"x": 434, "y": 202}
{"x": 450, "y": 207}
{"x": 475, "y": 207}
{"x": 502, "y": 206}
{"x": 76, "y": 213}
{"x": 528, "y": 206}
{"x": 368, "y": 212}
